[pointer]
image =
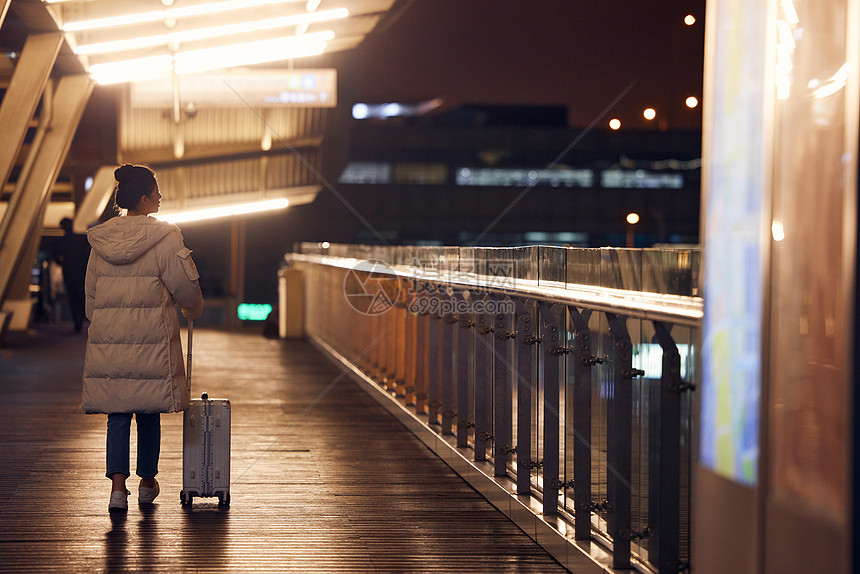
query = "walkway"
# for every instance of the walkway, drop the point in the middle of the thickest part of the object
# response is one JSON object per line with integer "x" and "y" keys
{"x": 324, "y": 479}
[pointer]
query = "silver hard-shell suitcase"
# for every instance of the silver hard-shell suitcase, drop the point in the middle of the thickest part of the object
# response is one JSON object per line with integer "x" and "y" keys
{"x": 205, "y": 445}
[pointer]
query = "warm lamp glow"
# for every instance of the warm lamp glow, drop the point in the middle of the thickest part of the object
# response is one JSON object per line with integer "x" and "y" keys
{"x": 251, "y": 53}
{"x": 632, "y": 218}
{"x": 168, "y": 14}
{"x": 195, "y": 61}
{"x": 689, "y": 19}
{"x": 222, "y": 211}
{"x": 211, "y": 32}
{"x": 615, "y": 123}
{"x": 649, "y": 113}
{"x": 692, "y": 102}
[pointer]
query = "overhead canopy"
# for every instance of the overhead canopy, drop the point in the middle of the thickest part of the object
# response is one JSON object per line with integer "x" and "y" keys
{"x": 209, "y": 95}
{"x": 120, "y": 40}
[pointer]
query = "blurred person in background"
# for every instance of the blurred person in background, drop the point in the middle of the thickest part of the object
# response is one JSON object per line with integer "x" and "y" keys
{"x": 72, "y": 251}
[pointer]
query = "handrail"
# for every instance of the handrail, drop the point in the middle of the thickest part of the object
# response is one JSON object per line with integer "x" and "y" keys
{"x": 641, "y": 305}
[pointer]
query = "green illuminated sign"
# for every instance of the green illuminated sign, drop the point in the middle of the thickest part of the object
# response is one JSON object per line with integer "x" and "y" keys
{"x": 253, "y": 311}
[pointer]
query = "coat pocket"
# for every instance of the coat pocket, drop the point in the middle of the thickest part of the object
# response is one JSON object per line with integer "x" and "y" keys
{"x": 184, "y": 255}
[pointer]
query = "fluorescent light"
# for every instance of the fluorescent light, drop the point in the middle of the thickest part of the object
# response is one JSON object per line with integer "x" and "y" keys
{"x": 127, "y": 70}
{"x": 211, "y": 32}
{"x": 236, "y": 55}
{"x": 169, "y": 13}
{"x": 312, "y": 5}
{"x": 230, "y": 56}
{"x": 181, "y": 216}
{"x": 120, "y": 45}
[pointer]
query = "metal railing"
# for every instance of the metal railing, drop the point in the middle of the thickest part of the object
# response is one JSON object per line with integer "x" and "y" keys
{"x": 571, "y": 371}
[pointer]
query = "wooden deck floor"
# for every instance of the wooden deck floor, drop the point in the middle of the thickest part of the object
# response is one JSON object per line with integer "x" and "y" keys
{"x": 323, "y": 479}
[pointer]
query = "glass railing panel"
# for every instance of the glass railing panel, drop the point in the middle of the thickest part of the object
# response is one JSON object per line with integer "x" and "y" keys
{"x": 552, "y": 267}
{"x": 499, "y": 267}
{"x": 582, "y": 266}
{"x": 468, "y": 263}
{"x": 524, "y": 263}
{"x": 671, "y": 271}
{"x": 621, "y": 269}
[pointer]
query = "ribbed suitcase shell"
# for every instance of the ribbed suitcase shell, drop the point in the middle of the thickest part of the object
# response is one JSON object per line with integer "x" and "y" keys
{"x": 206, "y": 450}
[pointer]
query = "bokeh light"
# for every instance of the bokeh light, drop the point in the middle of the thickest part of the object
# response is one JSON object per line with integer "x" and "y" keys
{"x": 633, "y": 218}
{"x": 615, "y": 123}
{"x": 649, "y": 113}
{"x": 692, "y": 102}
{"x": 689, "y": 19}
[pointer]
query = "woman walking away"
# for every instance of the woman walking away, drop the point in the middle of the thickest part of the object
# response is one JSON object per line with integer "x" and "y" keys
{"x": 139, "y": 268}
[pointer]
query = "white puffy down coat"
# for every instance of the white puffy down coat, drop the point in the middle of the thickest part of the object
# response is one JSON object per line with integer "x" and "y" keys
{"x": 139, "y": 267}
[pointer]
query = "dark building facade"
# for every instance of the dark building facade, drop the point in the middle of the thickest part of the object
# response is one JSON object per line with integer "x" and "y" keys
{"x": 510, "y": 176}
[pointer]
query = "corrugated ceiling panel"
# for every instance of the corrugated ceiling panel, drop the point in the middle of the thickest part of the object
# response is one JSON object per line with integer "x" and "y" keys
{"x": 150, "y": 129}
{"x": 256, "y": 174}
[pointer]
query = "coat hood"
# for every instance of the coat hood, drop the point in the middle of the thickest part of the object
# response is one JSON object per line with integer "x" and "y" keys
{"x": 122, "y": 240}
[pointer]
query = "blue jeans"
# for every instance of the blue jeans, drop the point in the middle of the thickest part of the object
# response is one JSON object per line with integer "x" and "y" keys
{"x": 148, "y": 443}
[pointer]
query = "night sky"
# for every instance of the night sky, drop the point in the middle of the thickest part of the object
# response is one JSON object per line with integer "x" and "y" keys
{"x": 583, "y": 54}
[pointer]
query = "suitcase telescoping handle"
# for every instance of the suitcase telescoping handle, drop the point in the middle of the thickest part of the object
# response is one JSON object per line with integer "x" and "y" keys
{"x": 190, "y": 338}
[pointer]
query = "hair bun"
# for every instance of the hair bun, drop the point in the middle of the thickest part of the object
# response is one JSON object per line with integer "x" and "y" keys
{"x": 124, "y": 173}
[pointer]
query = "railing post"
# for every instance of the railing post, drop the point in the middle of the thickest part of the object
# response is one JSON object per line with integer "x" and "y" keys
{"x": 374, "y": 362}
{"x": 483, "y": 377}
{"x": 619, "y": 443}
{"x": 400, "y": 374}
{"x": 465, "y": 352}
{"x": 584, "y": 360}
{"x": 449, "y": 364}
{"x": 410, "y": 374}
{"x": 526, "y": 341}
{"x": 664, "y": 504}
{"x": 552, "y": 351}
{"x": 503, "y": 353}
{"x": 422, "y": 356}
{"x": 435, "y": 350}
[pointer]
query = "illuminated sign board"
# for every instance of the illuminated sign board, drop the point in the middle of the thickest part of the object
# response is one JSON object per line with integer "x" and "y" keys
{"x": 315, "y": 88}
{"x": 253, "y": 312}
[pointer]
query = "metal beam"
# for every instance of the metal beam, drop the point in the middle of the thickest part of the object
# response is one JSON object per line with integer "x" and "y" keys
{"x": 20, "y": 100}
{"x": 22, "y": 218}
{"x": 96, "y": 199}
{"x": 3, "y": 11}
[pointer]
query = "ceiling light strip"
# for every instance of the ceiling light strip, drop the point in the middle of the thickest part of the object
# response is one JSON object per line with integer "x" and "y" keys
{"x": 181, "y": 216}
{"x": 245, "y": 54}
{"x": 169, "y": 14}
{"x": 231, "y": 56}
{"x": 209, "y": 33}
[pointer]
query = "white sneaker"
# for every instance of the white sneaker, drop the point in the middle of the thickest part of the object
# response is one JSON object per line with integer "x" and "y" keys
{"x": 146, "y": 495}
{"x": 118, "y": 501}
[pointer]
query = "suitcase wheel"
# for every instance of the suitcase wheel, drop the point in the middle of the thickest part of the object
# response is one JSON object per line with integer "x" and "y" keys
{"x": 224, "y": 498}
{"x": 184, "y": 498}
